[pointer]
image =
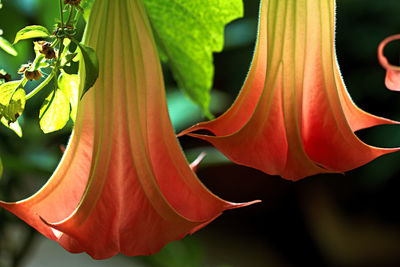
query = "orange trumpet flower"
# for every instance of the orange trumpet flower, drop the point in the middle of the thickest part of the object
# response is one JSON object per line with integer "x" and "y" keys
{"x": 392, "y": 80}
{"x": 123, "y": 184}
{"x": 294, "y": 116}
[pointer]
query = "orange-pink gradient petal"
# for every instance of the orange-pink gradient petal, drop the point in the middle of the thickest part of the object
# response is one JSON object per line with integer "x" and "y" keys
{"x": 392, "y": 80}
{"x": 123, "y": 185}
{"x": 294, "y": 116}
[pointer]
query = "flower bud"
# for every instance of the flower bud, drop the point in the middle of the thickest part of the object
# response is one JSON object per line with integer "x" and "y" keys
{"x": 46, "y": 49}
{"x": 30, "y": 75}
{"x": 5, "y": 76}
{"x": 33, "y": 75}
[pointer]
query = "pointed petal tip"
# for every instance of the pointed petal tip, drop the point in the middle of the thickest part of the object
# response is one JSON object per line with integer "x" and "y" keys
{"x": 198, "y": 126}
{"x": 245, "y": 204}
{"x": 389, "y": 121}
{"x": 388, "y": 150}
{"x": 230, "y": 205}
{"x": 189, "y": 130}
{"x": 197, "y": 161}
{"x": 233, "y": 205}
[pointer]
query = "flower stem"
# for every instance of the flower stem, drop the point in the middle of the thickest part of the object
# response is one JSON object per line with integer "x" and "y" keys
{"x": 61, "y": 15}
{"x": 71, "y": 12}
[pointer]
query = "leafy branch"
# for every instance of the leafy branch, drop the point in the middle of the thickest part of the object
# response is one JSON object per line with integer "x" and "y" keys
{"x": 53, "y": 54}
{"x": 56, "y": 55}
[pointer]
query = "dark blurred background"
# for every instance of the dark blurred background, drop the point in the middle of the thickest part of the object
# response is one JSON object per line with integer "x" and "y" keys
{"x": 324, "y": 220}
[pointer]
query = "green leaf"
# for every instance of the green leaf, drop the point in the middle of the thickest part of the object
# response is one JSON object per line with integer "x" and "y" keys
{"x": 14, "y": 126}
{"x": 6, "y": 46}
{"x": 12, "y": 101}
{"x": 91, "y": 64}
{"x": 69, "y": 85}
{"x": 54, "y": 113}
{"x": 187, "y": 33}
{"x": 86, "y": 6}
{"x": 33, "y": 31}
{"x": 69, "y": 58}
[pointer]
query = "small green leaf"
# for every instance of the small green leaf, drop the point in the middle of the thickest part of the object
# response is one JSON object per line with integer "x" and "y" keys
{"x": 6, "y": 46}
{"x": 187, "y": 33}
{"x": 69, "y": 85}
{"x": 14, "y": 126}
{"x": 54, "y": 113}
{"x": 91, "y": 64}
{"x": 33, "y": 31}
{"x": 12, "y": 101}
{"x": 70, "y": 57}
{"x": 86, "y": 6}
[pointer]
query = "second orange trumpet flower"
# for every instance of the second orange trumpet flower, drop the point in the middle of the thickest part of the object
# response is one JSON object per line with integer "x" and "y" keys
{"x": 294, "y": 116}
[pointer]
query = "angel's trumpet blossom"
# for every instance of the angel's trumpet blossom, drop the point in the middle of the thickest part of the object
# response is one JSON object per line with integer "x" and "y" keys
{"x": 123, "y": 184}
{"x": 392, "y": 80}
{"x": 293, "y": 116}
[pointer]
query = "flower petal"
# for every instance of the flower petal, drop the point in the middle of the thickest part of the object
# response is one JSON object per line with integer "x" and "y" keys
{"x": 392, "y": 80}
{"x": 294, "y": 116}
{"x": 123, "y": 184}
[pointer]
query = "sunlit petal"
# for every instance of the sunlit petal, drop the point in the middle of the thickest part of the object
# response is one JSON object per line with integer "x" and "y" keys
{"x": 294, "y": 116}
{"x": 123, "y": 184}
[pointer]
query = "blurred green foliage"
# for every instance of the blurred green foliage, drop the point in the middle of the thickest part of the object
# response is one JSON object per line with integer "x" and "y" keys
{"x": 189, "y": 54}
{"x": 186, "y": 252}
